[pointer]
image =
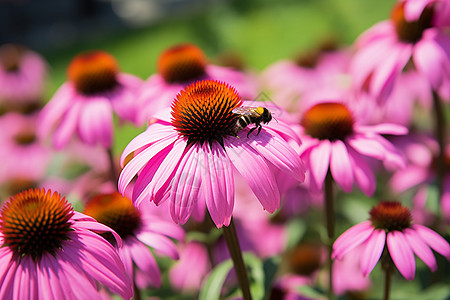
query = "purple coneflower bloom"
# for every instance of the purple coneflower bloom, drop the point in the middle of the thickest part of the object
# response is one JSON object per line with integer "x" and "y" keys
{"x": 416, "y": 32}
{"x": 288, "y": 80}
{"x": 22, "y": 78}
{"x": 84, "y": 105}
{"x": 390, "y": 228}
{"x": 189, "y": 158}
{"x": 25, "y": 159}
{"x": 138, "y": 230}
{"x": 48, "y": 251}
{"x": 335, "y": 140}
{"x": 421, "y": 152}
{"x": 179, "y": 66}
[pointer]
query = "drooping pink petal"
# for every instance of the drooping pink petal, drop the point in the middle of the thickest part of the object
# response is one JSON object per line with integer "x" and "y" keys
{"x": 351, "y": 238}
{"x": 137, "y": 163}
{"x": 251, "y": 166}
{"x": 215, "y": 178}
{"x": 145, "y": 262}
{"x": 185, "y": 186}
{"x": 125, "y": 257}
{"x": 99, "y": 227}
{"x": 402, "y": 254}
{"x": 433, "y": 239}
{"x": 319, "y": 162}
{"x": 142, "y": 187}
{"x": 154, "y": 133}
{"x": 8, "y": 275}
{"x": 430, "y": 58}
{"x": 163, "y": 227}
{"x": 101, "y": 262}
{"x": 385, "y": 128}
{"x": 64, "y": 132}
{"x": 96, "y": 122}
{"x": 367, "y": 146}
{"x": 420, "y": 248}
{"x": 372, "y": 251}
{"x": 408, "y": 178}
{"x": 159, "y": 243}
{"x": 363, "y": 174}
{"x": 165, "y": 171}
{"x": 340, "y": 166}
{"x": 279, "y": 153}
{"x": 51, "y": 284}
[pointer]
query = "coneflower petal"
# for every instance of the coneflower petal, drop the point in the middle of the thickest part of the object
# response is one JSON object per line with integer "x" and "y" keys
{"x": 402, "y": 254}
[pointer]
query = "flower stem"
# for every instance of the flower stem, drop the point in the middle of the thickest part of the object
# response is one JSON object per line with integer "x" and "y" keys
{"x": 387, "y": 267}
{"x": 440, "y": 136}
{"x": 137, "y": 292}
{"x": 329, "y": 214}
{"x": 112, "y": 165}
{"x": 236, "y": 255}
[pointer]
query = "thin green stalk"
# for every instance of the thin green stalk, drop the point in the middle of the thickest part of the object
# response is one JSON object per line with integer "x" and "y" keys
{"x": 112, "y": 165}
{"x": 440, "y": 137}
{"x": 236, "y": 255}
{"x": 387, "y": 267}
{"x": 329, "y": 214}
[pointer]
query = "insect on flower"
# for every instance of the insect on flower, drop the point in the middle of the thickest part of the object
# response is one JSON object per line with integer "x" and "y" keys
{"x": 251, "y": 115}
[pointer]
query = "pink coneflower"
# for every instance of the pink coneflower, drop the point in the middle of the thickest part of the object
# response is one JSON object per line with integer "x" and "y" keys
{"x": 22, "y": 78}
{"x": 416, "y": 32}
{"x": 48, "y": 251}
{"x": 138, "y": 230}
{"x": 24, "y": 158}
{"x": 189, "y": 158}
{"x": 421, "y": 152}
{"x": 335, "y": 140}
{"x": 179, "y": 66}
{"x": 390, "y": 227}
{"x": 288, "y": 80}
{"x": 84, "y": 105}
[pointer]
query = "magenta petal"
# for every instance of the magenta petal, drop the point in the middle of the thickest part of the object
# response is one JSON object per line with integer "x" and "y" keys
{"x": 144, "y": 260}
{"x": 52, "y": 283}
{"x": 367, "y": 146}
{"x": 8, "y": 275}
{"x": 319, "y": 162}
{"x": 185, "y": 186}
{"x": 363, "y": 174}
{"x": 409, "y": 177}
{"x": 433, "y": 239}
{"x": 340, "y": 166}
{"x": 384, "y": 128}
{"x": 429, "y": 58}
{"x": 420, "y": 248}
{"x": 154, "y": 132}
{"x": 159, "y": 243}
{"x": 402, "y": 254}
{"x": 351, "y": 238}
{"x": 279, "y": 153}
{"x": 65, "y": 130}
{"x": 372, "y": 251}
{"x": 96, "y": 122}
{"x": 139, "y": 161}
{"x": 94, "y": 225}
{"x": 251, "y": 166}
{"x": 218, "y": 188}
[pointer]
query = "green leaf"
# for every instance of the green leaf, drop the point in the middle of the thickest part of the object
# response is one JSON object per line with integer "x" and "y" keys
{"x": 256, "y": 275}
{"x": 213, "y": 285}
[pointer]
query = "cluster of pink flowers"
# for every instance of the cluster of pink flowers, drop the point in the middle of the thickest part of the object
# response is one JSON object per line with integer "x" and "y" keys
{"x": 341, "y": 124}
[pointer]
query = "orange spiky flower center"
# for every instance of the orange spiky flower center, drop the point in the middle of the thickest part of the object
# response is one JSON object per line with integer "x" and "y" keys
{"x": 390, "y": 216}
{"x": 93, "y": 72}
{"x": 328, "y": 120}
{"x": 11, "y": 56}
{"x": 115, "y": 211}
{"x": 411, "y": 32}
{"x": 182, "y": 63}
{"x": 35, "y": 222}
{"x": 202, "y": 112}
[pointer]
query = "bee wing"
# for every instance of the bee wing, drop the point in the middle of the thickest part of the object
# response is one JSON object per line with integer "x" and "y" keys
{"x": 243, "y": 110}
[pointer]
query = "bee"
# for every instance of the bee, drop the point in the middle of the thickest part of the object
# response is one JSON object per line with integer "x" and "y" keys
{"x": 251, "y": 115}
